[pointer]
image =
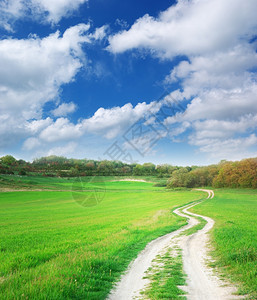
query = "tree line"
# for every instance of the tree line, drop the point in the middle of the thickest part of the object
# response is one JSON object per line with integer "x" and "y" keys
{"x": 60, "y": 166}
{"x": 238, "y": 174}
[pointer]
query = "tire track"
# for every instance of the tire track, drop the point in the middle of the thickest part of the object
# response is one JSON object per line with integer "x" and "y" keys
{"x": 201, "y": 283}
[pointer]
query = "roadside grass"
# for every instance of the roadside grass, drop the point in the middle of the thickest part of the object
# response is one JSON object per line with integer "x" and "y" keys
{"x": 234, "y": 235}
{"x": 165, "y": 276}
{"x": 52, "y": 248}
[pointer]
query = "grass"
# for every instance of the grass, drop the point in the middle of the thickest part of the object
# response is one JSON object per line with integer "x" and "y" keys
{"x": 196, "y": 228}
{"x": 53, "y": 248}
{"x": 46, "y": 183}
{"x": 234, "y": 235}
{"x": 165, "y": 276}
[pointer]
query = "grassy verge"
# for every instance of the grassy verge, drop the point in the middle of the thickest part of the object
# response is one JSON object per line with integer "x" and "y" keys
{"x": 234, "y": 235}
{"x": 52, "y": 248}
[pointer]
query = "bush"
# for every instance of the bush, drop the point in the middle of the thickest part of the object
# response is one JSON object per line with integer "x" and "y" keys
{"x": 22, "y": 173}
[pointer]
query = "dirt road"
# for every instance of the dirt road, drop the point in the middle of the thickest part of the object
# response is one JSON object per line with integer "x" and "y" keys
{"x": 201, "y": 282}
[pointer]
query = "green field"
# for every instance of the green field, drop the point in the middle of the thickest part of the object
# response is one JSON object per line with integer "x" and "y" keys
{"x": 16, "y": 182}
{"x": 235, "y": 235}
{"x": 53, "y": 248}
{"x": 57, "y": 242}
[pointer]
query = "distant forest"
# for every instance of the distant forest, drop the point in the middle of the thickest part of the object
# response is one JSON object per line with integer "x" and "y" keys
{"x": 225, "y": 174}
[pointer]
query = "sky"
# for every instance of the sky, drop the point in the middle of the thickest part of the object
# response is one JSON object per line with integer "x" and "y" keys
{"x": 137, "y": 81}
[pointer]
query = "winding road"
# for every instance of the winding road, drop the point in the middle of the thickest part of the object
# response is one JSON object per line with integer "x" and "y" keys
{"x": 201, "y": 282}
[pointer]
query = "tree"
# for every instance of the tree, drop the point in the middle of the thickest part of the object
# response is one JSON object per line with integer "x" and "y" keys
{"x": 22, "y": 172}
{"x": 148, "y": 169}
{"x": 105, "y": 167}
{"x": 8, "y": 160}
{"x": 178, "y": 178}
{"x": 138, "y": 170}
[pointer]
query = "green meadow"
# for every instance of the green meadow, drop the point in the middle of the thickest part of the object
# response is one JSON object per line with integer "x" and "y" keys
{"x": 234, "y": 235}
{"x": 53, "y": 245}
{"x": 16, "y": 182}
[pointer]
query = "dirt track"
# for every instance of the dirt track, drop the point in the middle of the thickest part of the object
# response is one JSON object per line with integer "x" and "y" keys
{"x": 201, "y": 282}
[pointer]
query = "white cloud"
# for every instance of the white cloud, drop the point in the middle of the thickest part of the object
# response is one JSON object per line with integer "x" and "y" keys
{"x": 56, "y": 9}
{"x": 109, "y": 123}
{"x": 190, "y": 28}
{"x": 64, "y": 109}
{"x": 217, "y": 78}
{"x": 220, "y": 104}
{"x": 223, "y": 129}
{"x": 11, "y": 131}
{"x": 12, "y": 8}
{"x": 40, "y": 10}
{"x": 27, "y": 83}
{"x": 99, "y": 33}
{"x": 61, "y": 129}
{"x": 38, "y": 125}
{"x": 46, "y": 133}
{"x": 64, "y": 150}
{"x": 232, "y": 149}
{"x": 217, "y": 116}
{"x": 9, "y": 10}
{"x": 31, "y": 143}
{"x": 35, "y": 148}
{"x": 226, "y": 70}
{"x": 235, "y": 59}
{"x": 122, "y": 23}
{"x": 114, "y": 121}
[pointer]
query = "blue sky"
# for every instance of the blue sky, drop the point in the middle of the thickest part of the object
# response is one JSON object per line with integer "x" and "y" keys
{"x": 161, "y": 81}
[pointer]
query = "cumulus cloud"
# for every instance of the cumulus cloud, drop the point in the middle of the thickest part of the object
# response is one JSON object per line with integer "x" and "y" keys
{"x": 37, "y": 148}
{"x": 233, "y": 149}
{"x": 63, "y": 150}
{"x": 11, "y": 131}
{"x": 31, "y": 143}
{"x": 46, "y": 132}
{"x": 223, "y": 129}
{"x": 9, "y": 10}
{"x": 190, "y": 28}
{"x": 218, "y": 115}
{"x": 27, "y": 83}
{"x": 109, "y": 123}
{"x": 38, "y": 125}
{"x": 225, "y": 70}
{"x": 41, "y": 10}
{"x": 219, "y": 104}
{"x": 114, "y": 121}
{"x": 217, "y": 77}
{"x": 56, "y": 10}
{"x": 61, "y": 129}
{"x": 64, "y": 109}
